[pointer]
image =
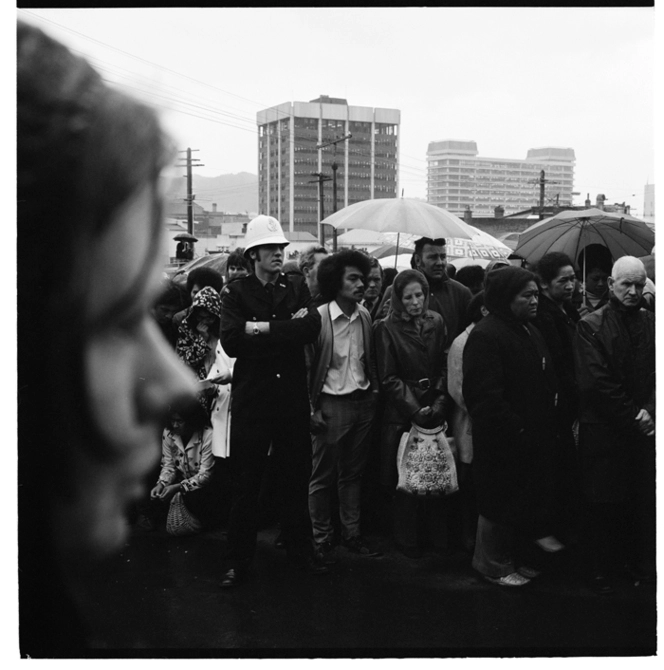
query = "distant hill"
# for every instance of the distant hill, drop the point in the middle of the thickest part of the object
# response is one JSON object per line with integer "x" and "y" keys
{"x": 232, "y": 192}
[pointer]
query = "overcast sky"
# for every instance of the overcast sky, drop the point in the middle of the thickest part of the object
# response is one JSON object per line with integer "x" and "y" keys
{"x": 510, "y": 79}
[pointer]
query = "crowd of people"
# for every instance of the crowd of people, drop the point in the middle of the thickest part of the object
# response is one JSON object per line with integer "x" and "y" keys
{"x": 307, "y": 384}
{"x": 330, "y": 369}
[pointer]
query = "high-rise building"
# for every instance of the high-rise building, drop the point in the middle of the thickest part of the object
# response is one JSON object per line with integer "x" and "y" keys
{"x": 288, "y": 158}
{"x": 458, "y": 179}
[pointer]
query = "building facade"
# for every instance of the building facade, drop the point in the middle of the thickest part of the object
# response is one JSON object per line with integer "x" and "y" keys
{"x": 458, "y": 179}
{"x": 649, "y": 203}
{"x": 288, "y": 158}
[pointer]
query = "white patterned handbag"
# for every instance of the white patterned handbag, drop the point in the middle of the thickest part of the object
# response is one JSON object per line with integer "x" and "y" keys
{"x": 425, "y": 463}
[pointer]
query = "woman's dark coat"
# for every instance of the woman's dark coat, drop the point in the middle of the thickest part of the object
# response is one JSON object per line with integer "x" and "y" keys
{"x": 510, "y": 390}
{"x": 405, "y": 355}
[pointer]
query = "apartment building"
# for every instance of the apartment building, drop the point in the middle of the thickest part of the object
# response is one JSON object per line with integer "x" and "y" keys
{"x": 288, "y": 158}
{"x": 458, "y": 179}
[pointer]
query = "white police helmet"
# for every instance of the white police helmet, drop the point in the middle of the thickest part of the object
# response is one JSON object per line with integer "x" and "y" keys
{"x": 263, "y": 230}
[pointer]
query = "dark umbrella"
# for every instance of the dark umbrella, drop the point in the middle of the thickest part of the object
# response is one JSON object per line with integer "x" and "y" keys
{"x": 571, "y": 231}
{"x": 215, "y": 261}
{"x": 185, "y": 237}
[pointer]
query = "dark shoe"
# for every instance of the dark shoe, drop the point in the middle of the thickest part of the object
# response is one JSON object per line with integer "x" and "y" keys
{"x": 230, "y": 579}
{"x": 326, "y": 553}
{"x": 601, "y": 585}
{"x": 357, "y": 545}
{"x": 309, "y": 564}
{"x": 280, "y": 542}
{"x": 410, "y": 552}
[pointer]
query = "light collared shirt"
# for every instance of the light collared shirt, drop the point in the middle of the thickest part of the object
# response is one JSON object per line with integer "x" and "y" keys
{"x": 346, "y": 372}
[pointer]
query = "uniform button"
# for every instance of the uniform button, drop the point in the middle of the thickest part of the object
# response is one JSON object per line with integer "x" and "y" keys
{"x": 278, "y": 376}
{"x": 274, "y": 316}
{"x": 254, "y": 318}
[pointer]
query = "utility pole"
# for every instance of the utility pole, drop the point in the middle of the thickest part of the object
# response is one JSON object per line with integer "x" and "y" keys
{"x": 542, "y": 181}
{"x": 190, "y": 196}
{"x": 321, "y": 179}
{"x": 334, "y": 182}
{"x": 334, "y": 202}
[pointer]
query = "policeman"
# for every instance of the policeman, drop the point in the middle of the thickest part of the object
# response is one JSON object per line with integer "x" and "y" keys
{"x": 267, "y": 318}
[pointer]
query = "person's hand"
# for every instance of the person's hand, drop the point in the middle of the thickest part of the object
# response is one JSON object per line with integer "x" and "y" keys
{"x": 438, "y": 411}
{"x": 317, "y": 423}
{"x": 300, "y": 313}
{"x": 168, "y": 492}
{"x": 422, "y": 417}
{"x": 224, "y": 378}
{"x": 203, "y": 330}
{"x": 645, "y": 423}
{"x": 156, "y": 491}
{"x": 207, "y": 386}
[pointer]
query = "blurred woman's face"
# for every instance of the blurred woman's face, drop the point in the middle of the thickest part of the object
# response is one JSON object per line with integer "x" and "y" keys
{"x": 413, "y": 298}
{"x": 131, "y": 376}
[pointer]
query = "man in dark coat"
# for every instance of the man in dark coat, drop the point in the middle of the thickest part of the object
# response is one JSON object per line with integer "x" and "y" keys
{"x": 266, "y": 320}
{"x": 446, "y": 296}
{"x": 510, "y": 390}
{"x": 615, "y": 367}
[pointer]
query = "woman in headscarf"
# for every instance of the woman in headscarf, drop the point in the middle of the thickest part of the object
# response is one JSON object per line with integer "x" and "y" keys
{"x": 412, "y": 368}
{"x": 510, "y": 389}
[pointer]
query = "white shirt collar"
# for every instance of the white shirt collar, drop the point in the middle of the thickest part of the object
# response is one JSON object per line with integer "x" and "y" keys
{"x": 336, "y": 312}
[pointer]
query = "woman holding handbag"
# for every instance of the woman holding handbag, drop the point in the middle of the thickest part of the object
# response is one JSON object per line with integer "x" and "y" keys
{"x": 412, "y": 368}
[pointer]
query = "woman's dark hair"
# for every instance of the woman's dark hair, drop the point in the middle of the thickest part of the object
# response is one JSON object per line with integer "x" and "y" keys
{"x": 331, "y": 270}
{"x": 205, "y": 277}
{"x": 474, "y": 309}
{"x": 470, "y": 276}
{"x": 193, "y": 414}
{"x": 595, "y": 256}
{"x": 549, "y": 265}
{"x": 502, "y": 286}
{"x": 83, "y": 151}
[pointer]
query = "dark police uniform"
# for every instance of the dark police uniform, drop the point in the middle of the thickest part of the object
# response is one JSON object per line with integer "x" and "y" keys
{"x": 269, "y": 405}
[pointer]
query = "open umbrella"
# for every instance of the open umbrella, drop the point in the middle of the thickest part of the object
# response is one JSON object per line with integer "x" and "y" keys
{"x": 400, "y": 215}
{"x": 185, "y": 237}
{"x": 215, "y": 261}
{"x": 480, "y": 250}
{"x": 571, "y": 231}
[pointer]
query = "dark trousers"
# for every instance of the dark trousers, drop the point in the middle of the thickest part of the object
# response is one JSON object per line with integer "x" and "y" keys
{"x": 291, "y": 450}
{"x": 420, "y": 521}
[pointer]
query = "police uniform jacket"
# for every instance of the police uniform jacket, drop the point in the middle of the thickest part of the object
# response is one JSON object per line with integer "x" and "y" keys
{"x": 269, "y": 378}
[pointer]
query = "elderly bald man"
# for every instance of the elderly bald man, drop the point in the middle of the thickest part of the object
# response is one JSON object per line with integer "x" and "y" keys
{"x": 614, "y": 349}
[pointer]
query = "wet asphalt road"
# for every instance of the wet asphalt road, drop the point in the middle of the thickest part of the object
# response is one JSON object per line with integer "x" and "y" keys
{"x": 161, "y": 598}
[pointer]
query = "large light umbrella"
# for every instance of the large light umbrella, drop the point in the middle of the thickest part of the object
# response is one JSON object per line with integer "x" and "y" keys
{"x": 401, "y": 215}
{"x": 480, "y": 250}
{"x": 571, "y": 231}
